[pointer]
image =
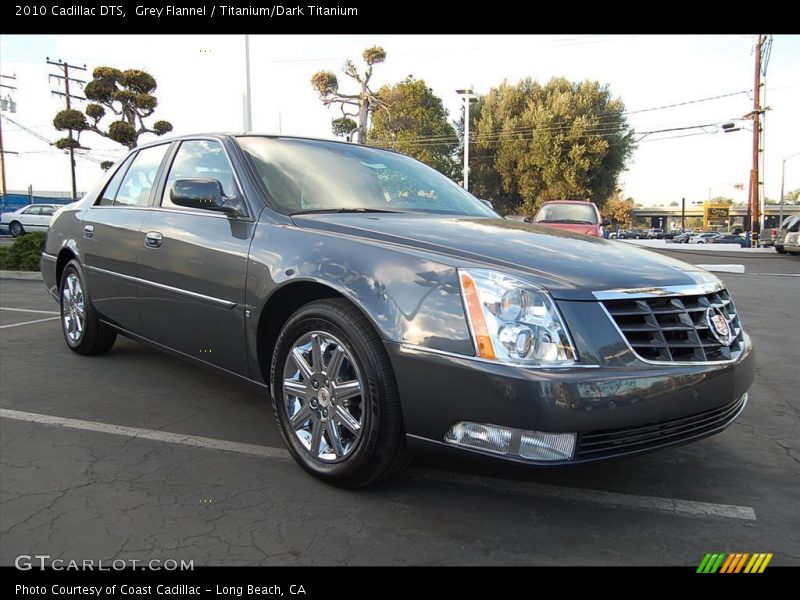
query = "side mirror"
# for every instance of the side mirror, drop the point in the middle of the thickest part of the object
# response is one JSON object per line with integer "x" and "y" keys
{"x": 487, "y": 203}
{"x": 528, "y": 220}
{"x": 606, "y": 222}
{"x": 202, "y": 194}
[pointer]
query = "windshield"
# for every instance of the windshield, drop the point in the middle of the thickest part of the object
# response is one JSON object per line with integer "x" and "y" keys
{"x": 567, "y": 213}
{"x": 315, "y": 176}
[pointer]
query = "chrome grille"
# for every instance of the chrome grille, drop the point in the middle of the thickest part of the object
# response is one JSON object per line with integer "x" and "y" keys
{"x": 674, "y": 328}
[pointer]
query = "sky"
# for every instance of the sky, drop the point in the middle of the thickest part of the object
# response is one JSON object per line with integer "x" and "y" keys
{"x": 201, "y": 81}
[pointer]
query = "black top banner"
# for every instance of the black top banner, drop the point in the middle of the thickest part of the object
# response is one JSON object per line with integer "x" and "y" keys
{"x": 349, "y": 17}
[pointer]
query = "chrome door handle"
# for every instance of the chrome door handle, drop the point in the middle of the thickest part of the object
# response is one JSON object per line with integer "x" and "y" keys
{"x": 153, "y": 239}
{"x": 88, "y": 231}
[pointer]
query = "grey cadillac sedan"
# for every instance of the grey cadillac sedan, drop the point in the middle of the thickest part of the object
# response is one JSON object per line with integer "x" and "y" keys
{"x": 384, "y": 308}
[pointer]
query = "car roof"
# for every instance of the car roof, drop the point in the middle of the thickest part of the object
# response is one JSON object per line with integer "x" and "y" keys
{"x": 237, "y": 134}
{"x": 568, "y": 202}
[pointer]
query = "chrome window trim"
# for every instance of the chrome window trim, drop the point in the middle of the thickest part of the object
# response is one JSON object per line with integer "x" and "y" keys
{"x": 696, "y": 289}
{"x": 194, "y": 295}
{"x": 678, "y": 363}
{"x": 418, "y": 348}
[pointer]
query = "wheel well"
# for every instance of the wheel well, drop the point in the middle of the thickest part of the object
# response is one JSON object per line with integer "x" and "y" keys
{"x": 280, "y": 306}
{"x": 64, "y": 257}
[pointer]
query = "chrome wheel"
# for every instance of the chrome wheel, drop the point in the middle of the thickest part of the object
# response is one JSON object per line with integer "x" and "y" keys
{"x": 322, "y": 389}
{"x": 73, "y": 310}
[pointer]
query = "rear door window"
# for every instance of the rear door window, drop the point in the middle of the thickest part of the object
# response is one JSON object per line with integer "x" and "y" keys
{"x": 141, "y": 176}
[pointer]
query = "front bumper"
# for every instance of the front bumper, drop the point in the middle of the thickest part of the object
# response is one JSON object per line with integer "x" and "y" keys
{"x": 616, "y": 411}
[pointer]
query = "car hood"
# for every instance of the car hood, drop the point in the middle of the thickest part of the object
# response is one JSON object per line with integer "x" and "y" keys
{"x": 569, "y": 265}
{"x": 582, "y": 228}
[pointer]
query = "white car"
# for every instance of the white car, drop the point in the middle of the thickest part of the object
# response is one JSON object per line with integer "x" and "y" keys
{"x": 702, "y": 238}
{"x": 33, "y": 217}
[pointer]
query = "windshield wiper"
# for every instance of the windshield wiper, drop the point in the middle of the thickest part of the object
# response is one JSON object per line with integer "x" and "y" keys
{"x": 569, "y": 221}
{"x": 343, "y": 210}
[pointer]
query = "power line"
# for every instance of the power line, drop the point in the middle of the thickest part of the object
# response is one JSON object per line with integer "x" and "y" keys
{"x": 68, "y": 97}
{"x": 46, "y": 140}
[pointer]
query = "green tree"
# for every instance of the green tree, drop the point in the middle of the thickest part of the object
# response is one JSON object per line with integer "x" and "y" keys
{"x": 414, "y": 122}
{"x": 128, "y": 95}
{"x": 358, "y": 105}
{"x": 560, "y": 140}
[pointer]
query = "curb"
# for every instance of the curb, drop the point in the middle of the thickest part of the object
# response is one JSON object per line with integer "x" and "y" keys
{"x": 27, "y": 275}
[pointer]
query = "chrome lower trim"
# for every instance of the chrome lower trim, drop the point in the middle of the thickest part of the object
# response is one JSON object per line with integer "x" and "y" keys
{"x": 572, "y": 365}
{"x": 194, "y": 295}
{"x": 697, "y": 289}
{"x": 679, "y": 363}
{"x": 49, "y": 257}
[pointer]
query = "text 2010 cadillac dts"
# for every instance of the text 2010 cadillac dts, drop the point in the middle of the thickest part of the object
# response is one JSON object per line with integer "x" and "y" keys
{"x": 384, "y": 307}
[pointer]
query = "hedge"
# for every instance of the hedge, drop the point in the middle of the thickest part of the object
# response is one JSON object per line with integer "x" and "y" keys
{"x": 24, "y": 254}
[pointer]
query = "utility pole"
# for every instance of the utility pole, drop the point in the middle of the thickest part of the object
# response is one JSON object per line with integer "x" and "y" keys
{"x": 755, "y": 220}
{"x": 468, "y": 97}
{"x": 12, "y": 107}
{"x": 683, "y": 214}
{"x": 783, "y": 181}
{"x": 68, "y": 97}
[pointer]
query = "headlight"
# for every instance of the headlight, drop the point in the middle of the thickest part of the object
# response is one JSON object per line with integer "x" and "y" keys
{"x": 513, "y": 321}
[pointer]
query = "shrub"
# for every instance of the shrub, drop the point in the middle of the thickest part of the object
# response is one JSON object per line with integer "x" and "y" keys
{"x": 24, "y": 254}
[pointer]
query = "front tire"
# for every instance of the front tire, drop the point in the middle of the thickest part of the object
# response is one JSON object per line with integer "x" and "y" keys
{"x": 780, "y": 250}
{"x": 82, "y": 329}
{"x": 16, "y": 229}
{"x": 335, "y": 398}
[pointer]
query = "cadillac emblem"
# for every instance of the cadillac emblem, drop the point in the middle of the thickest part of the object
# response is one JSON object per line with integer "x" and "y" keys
{"x": 718, "y": 325}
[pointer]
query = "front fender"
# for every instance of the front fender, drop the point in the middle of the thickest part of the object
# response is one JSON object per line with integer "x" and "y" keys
{"x": 408, "y": 298}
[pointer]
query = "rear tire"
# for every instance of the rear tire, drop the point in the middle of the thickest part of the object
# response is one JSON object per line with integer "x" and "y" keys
{"x": 16, "y": 229}
{"x": 780, "y": 250}
{"x": 80, "y": 324}
{"x": 335, "y": 397}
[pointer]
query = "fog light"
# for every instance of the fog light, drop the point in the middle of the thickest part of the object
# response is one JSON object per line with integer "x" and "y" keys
{"x": 536, "y": 446}
{"x": 490, "y": 438}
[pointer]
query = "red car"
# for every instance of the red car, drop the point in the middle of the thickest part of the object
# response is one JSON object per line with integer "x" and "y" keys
{"x": 572, "y": 215}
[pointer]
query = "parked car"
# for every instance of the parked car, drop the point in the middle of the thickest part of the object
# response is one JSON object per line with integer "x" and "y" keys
{"x": 788, "y": 226}
{"x": 791, "y": 243}
{"x": 655, "y": 233}
{"x": 770, "y": 234}
{"x": 682, "y": 238}
{"x": 572, "y": 215}
{"x": 383, "y": 308}
{"x": 631, "y": 234}
{"x": 33, "y": 217}
{"x": 702, "y": 238}
{"x": 729, "y": 238}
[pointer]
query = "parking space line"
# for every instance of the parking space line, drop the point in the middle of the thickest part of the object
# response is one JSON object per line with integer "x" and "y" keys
{"x": 29, "y": 322}
{"x": 146, "y": 434}
{"x": 672, "y": 506}
{"x": 30, "y": 310}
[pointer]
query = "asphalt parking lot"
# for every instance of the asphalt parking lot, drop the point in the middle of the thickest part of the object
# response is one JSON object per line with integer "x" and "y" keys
{"x": 139, "y": 455}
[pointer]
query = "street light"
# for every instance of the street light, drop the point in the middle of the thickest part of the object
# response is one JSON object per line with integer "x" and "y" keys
{"x": 468, "y": 96}
{"x": 783, "y": 177}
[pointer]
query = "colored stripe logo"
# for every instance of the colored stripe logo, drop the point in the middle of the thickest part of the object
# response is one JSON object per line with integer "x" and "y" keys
{"x": 736, "y": 562}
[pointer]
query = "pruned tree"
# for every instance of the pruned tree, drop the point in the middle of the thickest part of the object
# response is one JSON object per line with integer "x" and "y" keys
{"x": 560, "y": 140}
{"x": 356, "y": 107}
{"x": 128, "y": 95}
{"x": 415, "y": 122}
